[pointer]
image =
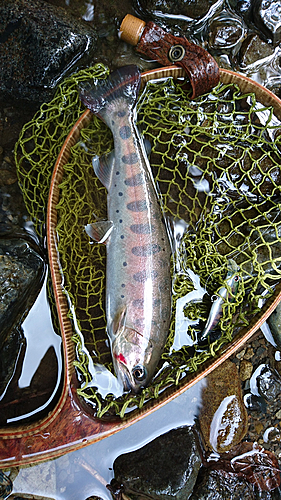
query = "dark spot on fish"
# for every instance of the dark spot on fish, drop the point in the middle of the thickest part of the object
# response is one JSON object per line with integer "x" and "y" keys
{"x": 120, "y": 193}
{"x": 140, "y": 322}
{"x": 122, "y": 236}
{"x": 112, "y": 122}
{"x": 135, "y": 180}
{"x": 117, "y": 211}
{"x": 130, "y": 159}
{"x": 125, "y": 132}
{"x": 121, "y": 113}
{"x": 143, "y": 276}
{"x": 137, "y": 206}
{"x": 120, "y": 220}
{"x": 117, "y": 173}
{"x": 122, "y": 296}
{"x": 165, "y": 314}
{"x": 146, "y": 250}
{"x": 164, "y": 285}
{"x": 123, "y": 285}
{"x": 125, "y": 264}
{"x": 138, "y": 303}
{"x": 142, "y": 228}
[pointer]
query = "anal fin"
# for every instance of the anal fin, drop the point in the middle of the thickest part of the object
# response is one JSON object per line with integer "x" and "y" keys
{"x": 100, "y": 230}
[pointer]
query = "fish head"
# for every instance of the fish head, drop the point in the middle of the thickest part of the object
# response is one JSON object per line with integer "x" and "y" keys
{"x": 133, "y": 358}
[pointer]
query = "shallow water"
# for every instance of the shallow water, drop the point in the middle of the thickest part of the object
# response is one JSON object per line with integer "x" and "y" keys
{"x": 86, "y": 472}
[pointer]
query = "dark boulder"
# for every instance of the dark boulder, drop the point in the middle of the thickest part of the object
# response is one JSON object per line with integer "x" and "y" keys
{"x": 21, "y": 271}
{"x": 221, "y": 485}
{"x": 166, "y": 468}
{"x": 39, "y": 43}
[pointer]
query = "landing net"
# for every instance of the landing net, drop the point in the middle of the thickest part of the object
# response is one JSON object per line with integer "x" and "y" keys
{"x": 216, "y": 161}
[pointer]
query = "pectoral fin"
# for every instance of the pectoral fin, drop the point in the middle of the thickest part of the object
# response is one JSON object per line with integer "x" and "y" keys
{"x": 100, "y": 230}
{"x": 119, "y": 320}
{"x": 103, "y": 167}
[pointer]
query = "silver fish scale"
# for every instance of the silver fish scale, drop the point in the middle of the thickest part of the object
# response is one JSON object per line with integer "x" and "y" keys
{"x": 138, "y": 251}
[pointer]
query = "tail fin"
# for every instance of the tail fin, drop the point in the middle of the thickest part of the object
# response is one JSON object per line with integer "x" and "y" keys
{"x": 123, "y": 82}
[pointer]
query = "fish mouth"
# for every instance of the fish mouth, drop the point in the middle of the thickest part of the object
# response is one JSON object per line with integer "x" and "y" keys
{"x": 125, "y": 378}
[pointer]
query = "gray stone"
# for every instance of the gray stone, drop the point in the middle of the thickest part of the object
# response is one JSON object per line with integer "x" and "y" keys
{"x": 38, "y": 44}
{"x": 165, "y": 468}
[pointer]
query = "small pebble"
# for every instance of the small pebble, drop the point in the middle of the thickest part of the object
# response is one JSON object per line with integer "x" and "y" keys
{"x": 245, "y": 370}
{"x": 258, "y": 427}
{"x": 240, "y": 354}
{"x": 278, "y": 415}
{"x": 249, "y": 353}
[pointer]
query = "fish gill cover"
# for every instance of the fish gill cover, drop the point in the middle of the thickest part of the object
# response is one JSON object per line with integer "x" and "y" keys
{"x": 216, "y": 162}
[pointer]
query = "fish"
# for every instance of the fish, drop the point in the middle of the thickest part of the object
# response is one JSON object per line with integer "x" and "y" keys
{"x": 227, "y": 292}
{"x": 138, "y": 246}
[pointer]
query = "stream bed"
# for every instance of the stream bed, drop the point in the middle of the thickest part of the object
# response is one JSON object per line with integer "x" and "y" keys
{"x": 42, "y": 42}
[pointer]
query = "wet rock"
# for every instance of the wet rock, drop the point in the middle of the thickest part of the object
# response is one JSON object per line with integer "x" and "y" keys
{"x": 267, "y": 17}
{"x": 242, "y": 7}
{"x": 38, "y": 44}
{"x": 245, "y": 370}
{"x": 254, "y": 49}
{"x": 165, "y": 468}
{"x": 254, "y": 403}
{"x": 21, "y": 271}
{"x": 192, "y": 9}
{"x": 226, "y": 32}
{"x": 221, "y": 485}
{"x": 250, "y": 462}
{"x": 223, "y": 417}
{"x": 268, "y": 383}
{"x": 259, "y": 466}
{"x": 274, "y": 322}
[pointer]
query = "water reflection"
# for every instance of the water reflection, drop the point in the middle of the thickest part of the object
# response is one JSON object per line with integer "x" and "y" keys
{"x": 86, "y": 472}
{"x": 38, "y": 324}
{"x": 31, "y": 390}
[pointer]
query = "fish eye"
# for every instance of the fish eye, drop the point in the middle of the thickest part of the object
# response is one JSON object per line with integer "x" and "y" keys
{"x": 139, "y": 373}
{"x": 236, "y": 278}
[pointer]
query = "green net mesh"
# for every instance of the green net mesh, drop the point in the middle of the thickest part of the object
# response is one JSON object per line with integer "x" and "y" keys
{"x": 216, "y": 162}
